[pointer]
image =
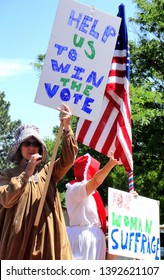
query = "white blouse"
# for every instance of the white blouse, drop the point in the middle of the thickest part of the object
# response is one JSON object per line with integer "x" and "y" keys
{"x": 82, "y": 209}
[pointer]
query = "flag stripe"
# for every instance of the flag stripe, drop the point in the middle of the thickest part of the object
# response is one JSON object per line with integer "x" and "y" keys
{"x": 110, "y": 139}
{"x": 101, "y": 125}
{"x": 112, "y": 130}
{"x": 117, "y": 73}
{"x": 82, "y": 129}
{"x": 117, "y": 65}
{"x": 120, "y": 150}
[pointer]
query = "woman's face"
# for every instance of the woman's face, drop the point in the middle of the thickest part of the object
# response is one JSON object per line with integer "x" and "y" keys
{"x": 30, "y": 147}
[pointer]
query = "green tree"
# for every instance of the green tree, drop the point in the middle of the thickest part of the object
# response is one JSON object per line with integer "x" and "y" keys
{"x": 148, "y": 140}
{"x": 7, "y": 129}
{"x": 147, "y": 78}
{"x": 147, "y": 62}
{"x": 38, "y": 64}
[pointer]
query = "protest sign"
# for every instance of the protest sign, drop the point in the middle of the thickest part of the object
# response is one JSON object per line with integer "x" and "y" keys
{"x": 78, "y": 59}
{"x": 133, "y": 226}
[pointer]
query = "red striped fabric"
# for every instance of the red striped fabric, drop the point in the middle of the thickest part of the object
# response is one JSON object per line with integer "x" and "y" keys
{"x": 112, "y": 131}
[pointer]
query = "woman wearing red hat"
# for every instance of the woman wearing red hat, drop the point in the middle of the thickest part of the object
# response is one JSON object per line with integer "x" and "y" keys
{"x": 85, "y": 208}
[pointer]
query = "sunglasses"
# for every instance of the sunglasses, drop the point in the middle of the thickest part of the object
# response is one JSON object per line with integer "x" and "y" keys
{"x": 35, "y": 144}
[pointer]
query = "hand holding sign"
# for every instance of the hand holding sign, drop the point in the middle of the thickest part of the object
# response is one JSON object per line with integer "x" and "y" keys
{"x": 65, "y": 116}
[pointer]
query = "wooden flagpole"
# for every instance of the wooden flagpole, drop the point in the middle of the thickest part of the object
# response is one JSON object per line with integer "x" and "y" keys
{"x": 40, "y": 208}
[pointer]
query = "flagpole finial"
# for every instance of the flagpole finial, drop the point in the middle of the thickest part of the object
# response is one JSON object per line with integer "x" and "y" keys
{"x": 121, "y": 5}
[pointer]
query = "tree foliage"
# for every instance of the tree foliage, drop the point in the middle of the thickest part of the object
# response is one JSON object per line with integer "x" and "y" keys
{"x": 147, "y": 78}
{"x": 7, "y": 129}
{"x": 147, "y": 62}
{"x": 148, "y": 148}
{"x": 38, "y": 64}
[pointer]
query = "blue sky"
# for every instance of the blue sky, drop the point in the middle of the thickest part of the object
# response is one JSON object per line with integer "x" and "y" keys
{"x": 25, "y": 28}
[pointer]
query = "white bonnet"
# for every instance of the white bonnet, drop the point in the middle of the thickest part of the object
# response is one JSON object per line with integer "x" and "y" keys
{"x": 22, "y": 133}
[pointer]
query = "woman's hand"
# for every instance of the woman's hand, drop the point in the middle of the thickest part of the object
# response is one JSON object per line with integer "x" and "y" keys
{"x": 113, "y": 161}
{"x": 32, "y": 163}
{"x": 134, "y": 193}
{"x": 65, "y": 116}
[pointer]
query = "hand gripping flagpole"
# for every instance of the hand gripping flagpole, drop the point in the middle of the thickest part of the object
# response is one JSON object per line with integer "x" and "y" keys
{"x": 39, "y": 212}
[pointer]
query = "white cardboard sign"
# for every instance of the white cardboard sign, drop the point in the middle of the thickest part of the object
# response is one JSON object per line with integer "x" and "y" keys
{"x": 133, "y": 226}
{"x": 78, "y": 59}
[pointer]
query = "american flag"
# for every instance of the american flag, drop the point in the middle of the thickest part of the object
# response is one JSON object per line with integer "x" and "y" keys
{"x": 112, "y": 131}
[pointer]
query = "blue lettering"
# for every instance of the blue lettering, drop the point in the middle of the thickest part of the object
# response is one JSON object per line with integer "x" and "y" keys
{"x": 109, "y": 31}
{"x": 72, "y": 55}
{"x": 77, "y": 97}
{"x": 144, "y": 239}
{"x": 124, "y": 246}
{"x": 92, "y": 31}
{"x": 72, "y": 18}
{"x": 61, "y": 68}
{"x": 92, "y": 78}
{"x": 148, "y": 246}
{"x": 65, "y": 94}
{"x": 84, "y": 24}
{"x": 60, "y": 49}
{"x": 157, "y": 249}
{"x": 136, "y": 241}
{"x": 153, "y": 247}
{"x": 83, "y": 27}
{"x": 130, "y": 240}
{"x": 138, "y": 234}
{"x": 51, "y": 92}
{"x": 113, "y": 239}
{"x": 78, "y": 70}
{"x": 86, "y": 105}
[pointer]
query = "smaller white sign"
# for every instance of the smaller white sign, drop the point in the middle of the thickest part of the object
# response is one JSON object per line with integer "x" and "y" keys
{"x": 133, "y": 226}
{"x": 78, "y": 59}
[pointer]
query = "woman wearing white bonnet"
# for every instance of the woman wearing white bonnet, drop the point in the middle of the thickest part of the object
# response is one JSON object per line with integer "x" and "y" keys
{"x": 21, "y": 189}
{"x": 23, "y": 133}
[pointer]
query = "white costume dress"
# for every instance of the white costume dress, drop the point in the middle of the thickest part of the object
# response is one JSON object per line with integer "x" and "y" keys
{"x": 86, "y": 237}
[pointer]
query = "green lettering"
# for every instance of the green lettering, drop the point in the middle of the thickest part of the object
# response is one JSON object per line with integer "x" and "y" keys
{"x": 78, "y": 44}
{"x": 133, "y": 223}
{"x": 92, "y": 55}
{"x": 64, "y": 81}
{"x": 76, "y": 86}
{"x": 126, "y": 221}
{"x": 140, "y": 226}
{"x": 87, "y": 88}
{"x": 116, "y": 220}
{"x": 148, "y": 226}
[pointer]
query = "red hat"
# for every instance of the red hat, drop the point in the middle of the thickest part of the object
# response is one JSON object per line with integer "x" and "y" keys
{"x": 85, "y": 167}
